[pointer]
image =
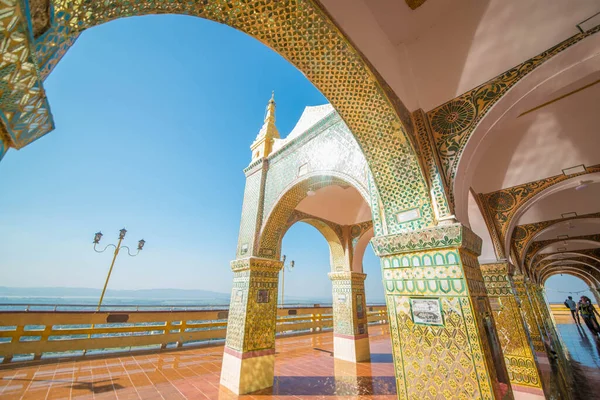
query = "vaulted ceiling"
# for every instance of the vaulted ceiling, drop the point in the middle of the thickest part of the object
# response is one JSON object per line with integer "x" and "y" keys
{"x": 516, "y": 166}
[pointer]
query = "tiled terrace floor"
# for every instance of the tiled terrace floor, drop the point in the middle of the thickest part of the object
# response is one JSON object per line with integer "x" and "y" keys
{"x": 304, "y": 369}
{"x": 584, "y": 352}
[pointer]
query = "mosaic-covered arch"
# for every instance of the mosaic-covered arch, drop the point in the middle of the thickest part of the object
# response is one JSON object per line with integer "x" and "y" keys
{"x": 284, "y": 213}
{"x": 569, "y": 263}
{"x": 506, "y": 206}
{"x": 330, "y": 231}
{"x": 589, "y": 255}
{"x": 535, "y": 248}
{"x": 588, "y": 279}
{"x": 299, "y": 30}
{"x": 524, "y": 235}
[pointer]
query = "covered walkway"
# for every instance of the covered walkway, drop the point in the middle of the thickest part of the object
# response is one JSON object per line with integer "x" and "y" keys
{"x": 304, "y": 369}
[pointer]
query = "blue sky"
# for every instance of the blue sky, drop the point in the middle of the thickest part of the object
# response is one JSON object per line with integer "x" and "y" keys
{"x": 154, "y": 118}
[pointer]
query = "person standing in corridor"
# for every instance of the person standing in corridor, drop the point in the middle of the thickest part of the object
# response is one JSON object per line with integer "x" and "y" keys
{"x": 587, "y": 311}
{"x": 570, "y": 303}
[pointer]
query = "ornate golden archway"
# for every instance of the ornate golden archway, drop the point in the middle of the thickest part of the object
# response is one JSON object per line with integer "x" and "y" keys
{"x": 299, "y": 30}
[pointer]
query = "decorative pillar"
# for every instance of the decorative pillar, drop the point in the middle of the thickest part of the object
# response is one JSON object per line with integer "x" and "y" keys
{"x": 249, "y": 356}
{"x": 540, "y": 309}
{"x": 444, "y": 341}
{"x": 531, "y": 324}
{"x": 516, "y": 347}
{"x": 350, "y": 323}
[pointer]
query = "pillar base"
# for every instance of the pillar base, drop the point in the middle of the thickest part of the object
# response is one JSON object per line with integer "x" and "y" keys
{"x": 244, "y": 373}
{"x": 351, "y": 348}
{"x": 527, "y": 393}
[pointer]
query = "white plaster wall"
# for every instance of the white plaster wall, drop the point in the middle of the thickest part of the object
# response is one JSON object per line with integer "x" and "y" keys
{"x": 480, "y": 228}
{"x": 542, "y": 143}
{"x": 479, "y": 41}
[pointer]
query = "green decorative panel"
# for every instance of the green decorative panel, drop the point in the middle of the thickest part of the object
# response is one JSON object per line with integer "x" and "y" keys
{"x": 442, "y": 236}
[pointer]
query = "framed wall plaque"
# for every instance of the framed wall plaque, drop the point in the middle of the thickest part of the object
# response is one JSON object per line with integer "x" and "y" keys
{"x": 360, "y": 310}
{"x": 426, "y": 311}
{"x": 262, "y": 296}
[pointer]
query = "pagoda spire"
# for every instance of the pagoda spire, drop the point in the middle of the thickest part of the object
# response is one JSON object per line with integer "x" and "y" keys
{"x": 263, "y": 144}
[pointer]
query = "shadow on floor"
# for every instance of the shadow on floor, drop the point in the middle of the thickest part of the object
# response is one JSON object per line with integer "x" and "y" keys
{"x": 381, "y": 358}
{"x": 331, "y": 386}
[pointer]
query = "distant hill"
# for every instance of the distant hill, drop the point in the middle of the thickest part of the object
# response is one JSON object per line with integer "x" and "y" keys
{"x": 179, "y": 294}
{"x": 143, "y": 295}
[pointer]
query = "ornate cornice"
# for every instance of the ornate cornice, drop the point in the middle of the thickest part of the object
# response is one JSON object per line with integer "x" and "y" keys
{"x": 347, "y": 275}
{"x": 256, "y": 264}
{"x": 439, "y": 237}
{"x": 523, "y": 234}
{"x": 453, "y": 122}
{"x": 496, "y": 277}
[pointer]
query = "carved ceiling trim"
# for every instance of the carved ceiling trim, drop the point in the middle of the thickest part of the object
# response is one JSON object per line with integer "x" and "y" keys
{"x": 504, "y": 204}
{"x": 522, "y": 235}
{"x": 568, "y": 261}
{"x": 536, "y": 246}
{"x": 592, "y": 254}
{"x": 583, "y": 274}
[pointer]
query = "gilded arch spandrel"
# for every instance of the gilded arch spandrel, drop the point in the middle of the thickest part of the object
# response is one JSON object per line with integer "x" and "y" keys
{"x": 591, "y": 254}
{"x": 300, "y": 31}
{"x": 453, "y": 122}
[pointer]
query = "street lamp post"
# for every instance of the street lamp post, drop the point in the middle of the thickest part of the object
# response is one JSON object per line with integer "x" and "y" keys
{"x": 117, "y": 247}
{"x": 290, "y": 267}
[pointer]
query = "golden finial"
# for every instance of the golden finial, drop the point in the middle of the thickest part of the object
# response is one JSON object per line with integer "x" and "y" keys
{"x": 270, "y": 111}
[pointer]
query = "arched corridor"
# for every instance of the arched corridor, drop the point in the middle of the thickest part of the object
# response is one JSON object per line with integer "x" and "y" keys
{"x": 457, "y": 143}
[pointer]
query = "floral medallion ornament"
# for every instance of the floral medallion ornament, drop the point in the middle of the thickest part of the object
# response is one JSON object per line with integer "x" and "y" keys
{"x": 453, "y": 117}
{"x": 519, "y": 233}
{"x": 501, "y": 201}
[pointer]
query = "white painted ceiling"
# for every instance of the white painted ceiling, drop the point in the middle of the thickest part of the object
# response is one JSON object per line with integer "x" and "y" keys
{"x": 344, "y": 206}
{"x": 445, "y": 48}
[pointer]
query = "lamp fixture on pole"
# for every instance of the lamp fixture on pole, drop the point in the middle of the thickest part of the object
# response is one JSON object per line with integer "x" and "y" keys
{"x": 122, "y": 233}
{"x": 290, "y": 268}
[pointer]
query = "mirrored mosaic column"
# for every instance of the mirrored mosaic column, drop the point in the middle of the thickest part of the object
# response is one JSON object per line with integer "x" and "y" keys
{"x": 350, "y": 321}
{"x": 538, "y": 309}
{"x": 249, "y": 356}
{"x": 516, "y": 347}
{"x": 444, "y": 339}
{"x": 531, "y": 324}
